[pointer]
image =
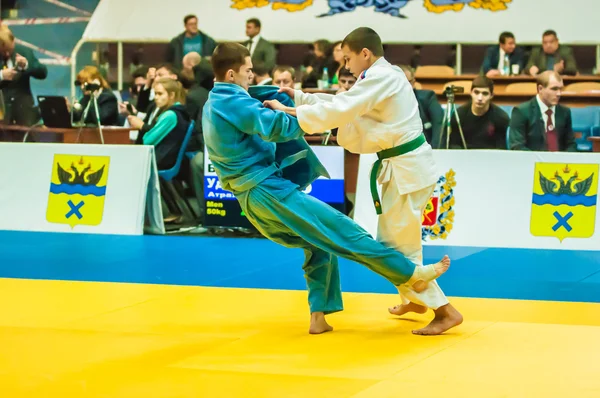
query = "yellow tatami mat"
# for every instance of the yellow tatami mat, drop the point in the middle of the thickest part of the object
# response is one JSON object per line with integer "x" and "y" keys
{"x": 81, "y": 339}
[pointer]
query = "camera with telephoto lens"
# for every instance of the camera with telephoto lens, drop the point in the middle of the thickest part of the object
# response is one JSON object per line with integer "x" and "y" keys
{"x": 91, "y": 87}
{"x": 451, "y": 90}
{"x": 88, "y": 86}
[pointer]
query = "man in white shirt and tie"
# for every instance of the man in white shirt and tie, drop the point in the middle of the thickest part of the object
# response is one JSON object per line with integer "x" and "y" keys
{"x": 500, "y": 59}
{"x": 262, "y": 52}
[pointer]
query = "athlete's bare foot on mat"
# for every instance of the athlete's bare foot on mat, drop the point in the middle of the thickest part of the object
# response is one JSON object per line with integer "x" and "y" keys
{"x": 406, "y": 308}
{"x": 440, "y": 268}
{"x": 446, "y": 317}
{"x": 318, "y": 324}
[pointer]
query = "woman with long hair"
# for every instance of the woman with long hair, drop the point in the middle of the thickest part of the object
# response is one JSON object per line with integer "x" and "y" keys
{"x": 323, "y": 58}
{"x": 338, "y": 63}
{"x": 168, "y": 133}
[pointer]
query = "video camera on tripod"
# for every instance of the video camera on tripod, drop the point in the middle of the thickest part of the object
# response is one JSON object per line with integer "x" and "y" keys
{"x": 449, "y": 91}
{"x": 92, "y": 88}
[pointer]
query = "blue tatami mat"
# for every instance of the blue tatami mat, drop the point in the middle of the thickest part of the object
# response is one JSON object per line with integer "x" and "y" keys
{"x": 259, "y": 263}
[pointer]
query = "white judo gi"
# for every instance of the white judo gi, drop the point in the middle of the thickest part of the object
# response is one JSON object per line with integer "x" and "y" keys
{"x": 381, "y": 112}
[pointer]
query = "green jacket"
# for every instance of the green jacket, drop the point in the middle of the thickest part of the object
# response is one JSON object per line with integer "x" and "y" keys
{"x": 528, "y": 128}
{"x": 540, "y": 59}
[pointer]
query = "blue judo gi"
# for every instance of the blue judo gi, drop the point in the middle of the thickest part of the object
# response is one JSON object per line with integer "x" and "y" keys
{"x": 261, "y": 156}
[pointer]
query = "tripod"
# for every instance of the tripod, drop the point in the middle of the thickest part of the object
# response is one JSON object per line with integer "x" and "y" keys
{"x": 447, "y": 120}
{"x": 94, "y": 101}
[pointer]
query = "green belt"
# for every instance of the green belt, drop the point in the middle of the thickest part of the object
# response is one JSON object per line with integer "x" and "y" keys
{"x": 390, "y": 153}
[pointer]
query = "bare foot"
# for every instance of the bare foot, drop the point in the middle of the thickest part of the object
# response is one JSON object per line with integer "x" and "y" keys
{"x": 318, "y": 324}
{"x": 439, "y": 268}
{"x": 405, "y": 308}
{"x": 442, "y": 266}
{"x": 446, "y": 317}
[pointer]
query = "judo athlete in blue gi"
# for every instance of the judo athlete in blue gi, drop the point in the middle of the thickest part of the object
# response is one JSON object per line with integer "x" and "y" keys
{"x": 261, "y": 156}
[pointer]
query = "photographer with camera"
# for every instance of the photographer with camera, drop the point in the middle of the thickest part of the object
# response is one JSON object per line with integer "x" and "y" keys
{"x": 19, "y": 66}
{"x": 483, "y": 123}
{"x": 138, "y": 82}
{"x": 93, "y": 85}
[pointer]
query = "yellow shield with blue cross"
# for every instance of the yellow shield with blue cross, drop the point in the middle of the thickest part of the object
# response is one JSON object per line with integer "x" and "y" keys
{"x": 77, "y": 189}
{"x": 564, "y": 200}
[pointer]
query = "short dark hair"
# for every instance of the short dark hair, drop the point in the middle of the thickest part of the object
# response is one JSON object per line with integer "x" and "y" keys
{"x": 260, "y": 69}
{"x": 284, "y": 68}
{"x": 344, "y": 72}
{"x": 364, "y": 38}
{"x": 550, "y": 32}
{"x": 254, "y": 21}
{"x": 188, "y": 17}
{"x": 504, "y": 36}
{"x": 324, "y": 46}
{"x": 168, "y": 67}
{"x": 483, "y": 82}
{"x": 228, "y": 56}
{"x": 142, "y": 71}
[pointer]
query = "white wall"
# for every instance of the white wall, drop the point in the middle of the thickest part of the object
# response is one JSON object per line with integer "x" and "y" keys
{"x": 576, "y": 21}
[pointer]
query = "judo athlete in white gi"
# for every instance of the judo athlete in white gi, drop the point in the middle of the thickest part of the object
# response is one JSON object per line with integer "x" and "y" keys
{"x": 380, "y": 114}
{"x": 261, "y": 156}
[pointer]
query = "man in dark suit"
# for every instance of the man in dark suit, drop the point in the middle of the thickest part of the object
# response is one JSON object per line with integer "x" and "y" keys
{"x": 262, "y": 51}
{"x": 541, "y": 124}
{"x": 495, "y": 61}
{"x": 19, "y": 65}
{"x": 195, "y": 99}
{"x": 430, "y": 110}
{"x": 191, "y": 40}
{"x": 552, "y": 56}
{"x": 201, "y": 69}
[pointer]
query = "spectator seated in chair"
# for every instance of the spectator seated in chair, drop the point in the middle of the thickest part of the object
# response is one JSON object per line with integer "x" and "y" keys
{"x": 284, "y": 76}
{"x": 93, "y": 84}
{"x": 552, "y": 57}
{"x": 500, "y": 59}
{"x": 483, "y": 123}
{"x": 430, "y": 110}
{"x": 542, "y": 124}
{"x": 323, "y": 58}
{"x": 345, "y": 80}
{"x": 169, "y": 131}
{"x": 339, "y": 62}
{"x": 261, "y": 75}
{"x": 138, "y": 82}
{"x": 144, "y": 115}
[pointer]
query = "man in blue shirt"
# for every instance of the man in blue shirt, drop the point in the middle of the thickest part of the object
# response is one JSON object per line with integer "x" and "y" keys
{"x": 191, "y": 40}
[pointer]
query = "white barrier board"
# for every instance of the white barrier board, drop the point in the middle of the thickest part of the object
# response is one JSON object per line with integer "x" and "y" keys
{"x": 96, "y": 189}
{"x": 509, "y": 199}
